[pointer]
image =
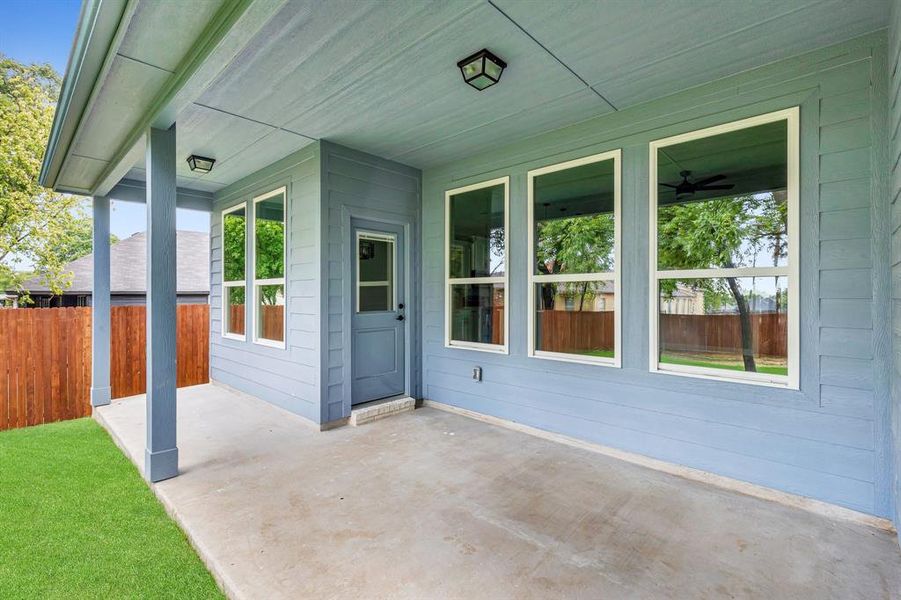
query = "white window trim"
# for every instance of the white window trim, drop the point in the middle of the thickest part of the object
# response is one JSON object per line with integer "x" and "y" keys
{"x": 792, "y": 271}
{"x": 383, "y": 237}
{"x": 615, "y": 275}
{"x": 257, "y": 283}
{"x": 448, "y": 343}
{"x": 224, "y": 321}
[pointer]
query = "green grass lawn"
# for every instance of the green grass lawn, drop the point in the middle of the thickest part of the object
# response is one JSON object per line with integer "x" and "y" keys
{"x": 78, "y": 521}
{"x": 729, "y": 365}
{"x": 724, "y": 364}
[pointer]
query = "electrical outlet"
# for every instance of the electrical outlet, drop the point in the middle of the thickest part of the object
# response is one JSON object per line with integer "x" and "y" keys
{"x": 477, "y": 373}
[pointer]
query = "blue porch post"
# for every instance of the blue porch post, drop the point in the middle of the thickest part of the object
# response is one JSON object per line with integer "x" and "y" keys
{"x": 161, "y": 454}
{"x": 100, "y": 303}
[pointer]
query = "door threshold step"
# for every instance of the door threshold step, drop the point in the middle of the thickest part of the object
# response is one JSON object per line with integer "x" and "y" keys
{"x": 379, "y": 409}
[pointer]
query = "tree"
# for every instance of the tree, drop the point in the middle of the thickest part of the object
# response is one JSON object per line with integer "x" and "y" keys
{"x": 77, "y": 238}
{"x": 722, "y": 233}
{"x": 579, "y": 244}
{"x": 39, "y": 229}
{"x": 270, "y": 252}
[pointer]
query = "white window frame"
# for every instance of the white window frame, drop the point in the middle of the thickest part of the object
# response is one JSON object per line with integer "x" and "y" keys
{"x": 257, "y": 283}
{"x": 230, "y": 284}
{"x": 448, "y": 281}
{"x": 792, "y": 117}
{"x": 614, "y": 276}
{"x": 379, "y": 237}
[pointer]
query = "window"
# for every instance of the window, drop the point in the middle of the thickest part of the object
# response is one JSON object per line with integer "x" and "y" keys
{"x": 234, "y": 233}
{"x": 574, "y": 245}
{"x": 476, "y": 266}
{"x": 375, "y": 272}
{"x": 269, "y": 268}
{"x": 724, "y": 251}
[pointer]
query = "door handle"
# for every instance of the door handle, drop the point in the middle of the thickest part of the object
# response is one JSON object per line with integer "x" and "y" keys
{"x": 399, "y": 317}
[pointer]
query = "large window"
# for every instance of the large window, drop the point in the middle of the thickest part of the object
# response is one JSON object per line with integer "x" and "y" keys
{"x": 476, "y": 266}
{"x": 234, "y": 236}
{"x": 724, "y": 251}
{"x": 269, "y": 268}
{"x": 574, "y": 245}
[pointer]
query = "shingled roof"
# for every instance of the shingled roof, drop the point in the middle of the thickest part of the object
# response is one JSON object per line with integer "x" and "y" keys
{"x": 128, "y": 267}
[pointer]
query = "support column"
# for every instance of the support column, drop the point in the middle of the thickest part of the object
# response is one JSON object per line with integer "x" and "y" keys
{"x": 161, "y": 454}
{"x": 100, "y": 302}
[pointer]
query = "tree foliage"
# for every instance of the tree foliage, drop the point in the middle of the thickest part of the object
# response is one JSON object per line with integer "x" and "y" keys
{"x": 722, "y": 233}
{"x": 269, "y": 254}
{"x": 39, "y": 229}
{"x": 580, "y": 244}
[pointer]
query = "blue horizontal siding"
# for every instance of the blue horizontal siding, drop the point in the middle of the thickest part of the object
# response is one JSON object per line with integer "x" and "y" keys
{"x": 824, "y": 441}
{"x": 288, "y": 377}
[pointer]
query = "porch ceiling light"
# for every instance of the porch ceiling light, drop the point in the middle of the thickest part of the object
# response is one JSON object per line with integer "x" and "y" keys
{"x": 200, "y": 163}
{"x": 482, "y": 70}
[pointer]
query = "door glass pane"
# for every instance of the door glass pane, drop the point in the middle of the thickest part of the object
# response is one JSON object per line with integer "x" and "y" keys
{"x": 574, "y": 220}
{"x": 575, "y": 318}
{"x": 234, "y": 231}
{"x": 375, "y": 274}
{"x": 738, "y": 324}
{"x": 234, "y": 310}
{"x": 271, "y": 312}
{"x": 477, "y": 233}
{"x": 477, "y": 313}
{"x": 722, "y": 200}
{"x": 270, "y": 237}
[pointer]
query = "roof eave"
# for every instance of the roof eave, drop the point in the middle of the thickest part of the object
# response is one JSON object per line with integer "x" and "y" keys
{"x": 97, "y": 26}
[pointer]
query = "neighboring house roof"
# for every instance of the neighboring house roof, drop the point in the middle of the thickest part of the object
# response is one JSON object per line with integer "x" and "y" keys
{"x": 128, "y": 267}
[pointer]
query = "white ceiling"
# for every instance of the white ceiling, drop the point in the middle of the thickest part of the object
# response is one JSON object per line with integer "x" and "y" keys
{"x": 381, "y": 76}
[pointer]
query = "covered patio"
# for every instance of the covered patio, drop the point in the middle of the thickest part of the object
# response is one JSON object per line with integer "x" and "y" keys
{"x": 679, "y": 242}
{"x": 432, "y": 504}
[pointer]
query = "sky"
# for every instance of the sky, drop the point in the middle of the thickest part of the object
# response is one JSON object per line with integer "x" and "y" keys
{"x": 42, "y": 31}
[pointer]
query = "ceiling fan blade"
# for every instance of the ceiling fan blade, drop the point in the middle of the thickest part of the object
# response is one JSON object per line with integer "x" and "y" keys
{"x": 669, "y": 185}
{"x": 713, "y": 179}
{"x": 728, "y": 186}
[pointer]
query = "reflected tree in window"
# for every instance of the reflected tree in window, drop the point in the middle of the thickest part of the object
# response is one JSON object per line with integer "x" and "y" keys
{"x": 270, "y": 253}
{"x": 234, "y": 264}
{"x": 745, "y": 230}
{"x": 579, "y": 244}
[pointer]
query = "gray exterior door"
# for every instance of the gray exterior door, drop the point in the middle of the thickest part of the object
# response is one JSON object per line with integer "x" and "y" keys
{"x": 378, "y": 322}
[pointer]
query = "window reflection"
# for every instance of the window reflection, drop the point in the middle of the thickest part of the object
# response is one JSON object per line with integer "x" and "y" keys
{"x": 722, "y": 200}
{"x": 574, "y": 220}
{"x": 477, "y": 233}
{"x": 477, "y": 313}
{"x": 731, "y": 323}
{"x": 576, "y": 318}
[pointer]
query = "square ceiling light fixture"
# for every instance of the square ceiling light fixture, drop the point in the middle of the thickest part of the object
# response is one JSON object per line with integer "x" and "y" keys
{"x": 482, "y": 70}
{"x": 201, "y": 164}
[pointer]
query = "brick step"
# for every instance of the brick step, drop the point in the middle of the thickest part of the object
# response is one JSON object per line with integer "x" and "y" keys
{"x": 379, "y": 409}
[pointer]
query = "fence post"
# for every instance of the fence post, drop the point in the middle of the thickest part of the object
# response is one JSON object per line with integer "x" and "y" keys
{"x": 100, "y": 303}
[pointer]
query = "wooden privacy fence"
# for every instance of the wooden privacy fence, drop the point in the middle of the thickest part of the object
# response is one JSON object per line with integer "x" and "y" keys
{"x": 273, "y": 316}
{"x": 574, "y": 331}
{"x": 722, "y": 333}
{"x": 45, "y": 359}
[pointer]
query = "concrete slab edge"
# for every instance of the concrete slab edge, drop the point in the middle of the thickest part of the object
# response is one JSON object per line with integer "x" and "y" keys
{"x": 225, "y": 583}
{"x": 818, "y": 507}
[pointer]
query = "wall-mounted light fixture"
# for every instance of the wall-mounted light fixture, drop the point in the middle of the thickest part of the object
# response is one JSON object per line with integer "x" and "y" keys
{"x": 201, "y": 164}
{"x": 482, "y": 70}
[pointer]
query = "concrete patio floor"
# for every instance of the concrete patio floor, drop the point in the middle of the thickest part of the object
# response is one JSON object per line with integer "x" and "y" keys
{"x": 433, "y": 505}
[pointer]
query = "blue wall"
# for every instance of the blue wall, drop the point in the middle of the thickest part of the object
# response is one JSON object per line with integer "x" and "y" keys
{"x": 360, "y": 185}
{"x": 893, "y": 165}
{"x": 286, "y": 377}
{"x": 831, "y": 439}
